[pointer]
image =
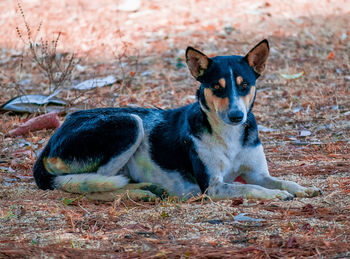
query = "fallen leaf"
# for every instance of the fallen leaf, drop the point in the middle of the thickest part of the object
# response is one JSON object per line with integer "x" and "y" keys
{"x": 330, "y": 55}
{"x": 66, "y": 201}
{"x": 300, "y": 143}
{"x": 307, "y": 227}
{"x": 215, "y": 221}
{"x": 210, "y": 27}
{"x": 265, "y": 129}
{"x": 164, "y": 214}
{"x": 304, "y": 133}
{"x": 236, "y": 201}
{"x": 292, "y": 243}
{"x": 297, "y": 109}
{"x": 244, "y": 240}
{"x": 292, "y": 76}
{"x": 34, "y": 103}
{"x": 309, "y": 209}
{"x": 243, "y": 217}
{"x": 213, "y": 242}
{"x": 275, "y": 241}
{"x": 128, "y": 6}
{"x": 327, "y": 243}
{"x": 95, "y": 83}
{"x": 137, "y": 226}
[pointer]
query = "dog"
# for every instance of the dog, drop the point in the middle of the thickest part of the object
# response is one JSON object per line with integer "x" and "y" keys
{"x": 199, "y": 148}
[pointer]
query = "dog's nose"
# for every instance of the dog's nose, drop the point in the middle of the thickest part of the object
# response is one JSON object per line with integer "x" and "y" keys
{"x": 235, "y": 116}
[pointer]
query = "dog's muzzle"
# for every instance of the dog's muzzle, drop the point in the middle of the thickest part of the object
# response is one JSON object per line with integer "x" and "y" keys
{"x": 235, "y": 117}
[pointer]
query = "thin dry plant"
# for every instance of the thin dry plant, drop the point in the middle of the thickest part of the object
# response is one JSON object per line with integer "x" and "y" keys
{"x": 56, "y": 67}
{"x": 123, "y": 59}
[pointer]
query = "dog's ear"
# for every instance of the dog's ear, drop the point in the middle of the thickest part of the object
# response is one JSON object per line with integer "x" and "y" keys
{"x": 257, "y": 57}
{"x": 197, "y": 62}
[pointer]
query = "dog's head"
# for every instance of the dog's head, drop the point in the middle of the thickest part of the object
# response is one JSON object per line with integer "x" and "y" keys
{"x": 227, "y": 88}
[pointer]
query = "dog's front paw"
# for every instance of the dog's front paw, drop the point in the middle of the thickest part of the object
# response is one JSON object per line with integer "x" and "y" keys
{"x": 308, "y": 192}
{"x": 283, "y": 195}
{"x": 267, "y": 194}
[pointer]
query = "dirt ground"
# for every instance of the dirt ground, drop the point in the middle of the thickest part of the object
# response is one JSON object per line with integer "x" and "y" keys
{"x": 305, "y": 126}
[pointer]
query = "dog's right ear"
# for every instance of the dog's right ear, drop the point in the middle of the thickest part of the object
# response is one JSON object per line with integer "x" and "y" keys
{"x": 197, "y": 62}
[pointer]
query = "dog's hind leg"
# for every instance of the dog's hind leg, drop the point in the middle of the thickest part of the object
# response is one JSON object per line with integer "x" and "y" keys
{"x": 108, "y": 183}
{"x": 76, "y": 176}
{"x": 118, "y": 162}
{"x": 134, "y": 191}
{"x": 107, "y": 188}
{"x": 88, "y": 153}
{"x": 89, "y": 183}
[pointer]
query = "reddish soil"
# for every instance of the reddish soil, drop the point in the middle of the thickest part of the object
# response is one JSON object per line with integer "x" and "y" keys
{"x": 308, "y": 118}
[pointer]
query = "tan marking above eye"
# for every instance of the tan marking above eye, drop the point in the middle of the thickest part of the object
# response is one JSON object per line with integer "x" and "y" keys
{"x": 222, "y": 82}
{"x": 239, "y": 80}
{"x": 216, "y": 87}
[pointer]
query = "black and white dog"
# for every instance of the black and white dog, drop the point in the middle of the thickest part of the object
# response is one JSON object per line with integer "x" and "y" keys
{"x": 201, "y": 147}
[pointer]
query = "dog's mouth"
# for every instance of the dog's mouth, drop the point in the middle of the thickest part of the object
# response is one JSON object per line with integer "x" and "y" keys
{"x": 234, "y": 123}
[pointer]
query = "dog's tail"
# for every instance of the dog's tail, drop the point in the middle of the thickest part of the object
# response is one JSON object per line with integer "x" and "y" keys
{"x": 43, "y": 179}
{"x": 53, "y": 176}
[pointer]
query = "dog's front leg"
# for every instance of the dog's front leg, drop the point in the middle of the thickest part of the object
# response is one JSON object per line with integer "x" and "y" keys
{"x": 254, "y": 170}
{"x": 211, "y": 180}
{"x": 270, "y": 182}
{"x": 221, "y": 190}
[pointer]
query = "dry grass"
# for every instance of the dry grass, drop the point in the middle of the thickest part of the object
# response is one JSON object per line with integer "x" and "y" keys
{"x": 304, "y": 36}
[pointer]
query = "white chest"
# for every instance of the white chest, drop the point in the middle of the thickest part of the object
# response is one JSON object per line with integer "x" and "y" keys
{"x": 218, "y": 151}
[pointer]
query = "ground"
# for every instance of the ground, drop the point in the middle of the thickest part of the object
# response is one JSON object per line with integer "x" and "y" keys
{"x": 304, "y": 123}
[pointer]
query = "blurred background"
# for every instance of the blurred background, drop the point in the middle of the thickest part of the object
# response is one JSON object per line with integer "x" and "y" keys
{"x": 144, "y": 41}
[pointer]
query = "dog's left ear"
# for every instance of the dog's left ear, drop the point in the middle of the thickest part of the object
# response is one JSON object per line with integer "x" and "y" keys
{"x": 257, "y": 57}
{"x": 197, "y": 62}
